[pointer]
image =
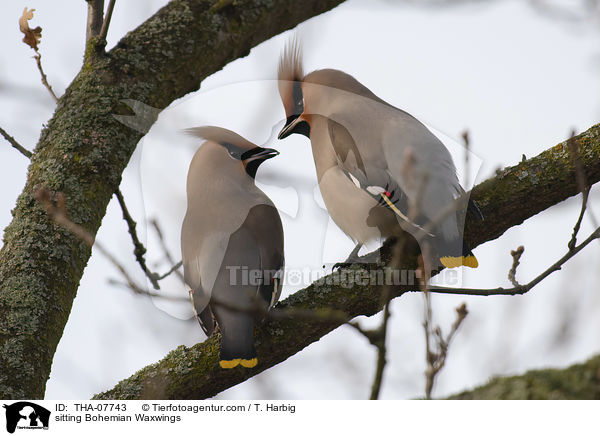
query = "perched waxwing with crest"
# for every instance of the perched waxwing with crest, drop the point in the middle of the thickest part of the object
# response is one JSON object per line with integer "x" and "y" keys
{"x": 231, "y": 241}
{"x": 380, "y": 170}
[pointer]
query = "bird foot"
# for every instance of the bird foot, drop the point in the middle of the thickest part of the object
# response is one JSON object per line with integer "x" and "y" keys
{"x": 354, "y": 258}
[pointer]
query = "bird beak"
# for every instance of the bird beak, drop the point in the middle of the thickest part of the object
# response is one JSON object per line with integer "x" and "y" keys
{"x": 262, "y": 154}
{"x": 288, "y": 129}
{"x": 267, "y": 153}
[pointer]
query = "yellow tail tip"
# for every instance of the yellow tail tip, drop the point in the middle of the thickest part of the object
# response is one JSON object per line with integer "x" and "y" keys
{"x": 249, "y": 363}
{"x": 456, "y": 261}
{"x": 470, "y": 261}
{"x": 228, "y": 364}
{"x": 246, "y": 363}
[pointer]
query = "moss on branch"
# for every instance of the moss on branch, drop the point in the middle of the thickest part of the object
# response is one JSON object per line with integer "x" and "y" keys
{"x": 577, "y": 382}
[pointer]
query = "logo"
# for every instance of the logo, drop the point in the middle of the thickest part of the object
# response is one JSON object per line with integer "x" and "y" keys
{"x": 26, "y": 415}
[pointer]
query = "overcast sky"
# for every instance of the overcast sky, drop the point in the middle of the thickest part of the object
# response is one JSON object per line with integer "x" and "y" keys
{"x": 518, "y": 79}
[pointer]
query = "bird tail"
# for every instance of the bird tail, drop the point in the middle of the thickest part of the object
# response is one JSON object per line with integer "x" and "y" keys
{"x": 237, "y": 347}
{"x": 231, "y": 357}
{"x": 451, "y": 255}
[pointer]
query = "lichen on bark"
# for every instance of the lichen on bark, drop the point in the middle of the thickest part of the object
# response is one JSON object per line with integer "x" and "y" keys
{"x": 577, "y": 382}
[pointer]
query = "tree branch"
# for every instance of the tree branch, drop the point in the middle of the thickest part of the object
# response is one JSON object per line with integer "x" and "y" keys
{"x": 577, "y": 382}
{"x": 514, "y": 195}
{"x": 95, "y": 18}
{"x": 521, "y": 289}
{"x": 138, "y": 249}
{"x": 38, "y": 61}
{"x": 106, "y": 23}
{"x": 168, "y": 256}
{"x": 15, "y": 144}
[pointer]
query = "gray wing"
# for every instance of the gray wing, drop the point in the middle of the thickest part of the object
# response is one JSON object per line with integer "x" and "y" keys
{"x": 264, "y": 223}
{"x": 423, "y": 167}
{"x": 375, "y": 181}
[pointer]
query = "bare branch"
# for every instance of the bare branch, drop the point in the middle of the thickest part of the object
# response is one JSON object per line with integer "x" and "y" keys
{"x": 95, "y": 18}
{"x": 140, "y": 291}
{"x": 139, "y": 249}
{"x": 582, "y": 183}
{"x": 378, "y": 337}
{"x": 106, "y": 23}
{"x": 573, "y": 148}
{"x": 516, "y": 255}
{"x": 584, "y": 199}
{"x": 38, "y": 61}
{"x": 519, "y": 290}
{"x": 167, "y": 253}
{"x": 173, "y": 269}
{"x": 437, "y": 360}
{"x": 15, "y": 144}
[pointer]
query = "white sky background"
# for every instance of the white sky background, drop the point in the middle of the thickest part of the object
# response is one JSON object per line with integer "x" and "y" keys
{"x": 518, "y": 80}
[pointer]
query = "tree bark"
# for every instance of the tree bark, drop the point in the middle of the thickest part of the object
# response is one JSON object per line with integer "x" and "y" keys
{"x": 84, "y": 149}
{"x": 513, "y": 195}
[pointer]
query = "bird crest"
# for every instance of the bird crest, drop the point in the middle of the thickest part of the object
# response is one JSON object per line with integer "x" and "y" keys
{"x": 290, "y": 75}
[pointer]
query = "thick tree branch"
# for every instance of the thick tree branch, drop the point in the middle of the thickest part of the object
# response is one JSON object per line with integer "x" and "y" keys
{"x": 577, "y": 382}
{"x": 83, "y": 150}
{"x": 515, "y": 194}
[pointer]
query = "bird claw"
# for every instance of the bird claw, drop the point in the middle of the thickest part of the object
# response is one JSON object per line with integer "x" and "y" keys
{"x": 353, "y": 259}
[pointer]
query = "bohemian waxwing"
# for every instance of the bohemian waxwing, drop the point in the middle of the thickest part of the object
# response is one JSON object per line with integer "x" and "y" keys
{"x": 231, "y": 241}
{"x": 380, "y": 170}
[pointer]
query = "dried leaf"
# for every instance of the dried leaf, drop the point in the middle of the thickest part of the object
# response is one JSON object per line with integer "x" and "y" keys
{"x": 32, "y": 36}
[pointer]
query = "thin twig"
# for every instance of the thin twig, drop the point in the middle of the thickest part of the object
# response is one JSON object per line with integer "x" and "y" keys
{"x": 140, "y": 291}
{"x": 584, "y": 199}
{"x": 379, "y": 336}
{"x": 38, "y": 61}
{"x": 437, "y": 360}
{"x": 139, "y": 249}
{"x": 582, "y": 183}
{"x": 516, "y": 255}
{"x": 430, "y": 356}
{"x": 167, "y": 253}
{"x": 15, "y": 144}
{"x": 173, "y": 269}
{"x": 519, "y": 290}
{"x": 379, "y": 342}
{"x": 573, "y": 148}
{"x": 106, "y": 23}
